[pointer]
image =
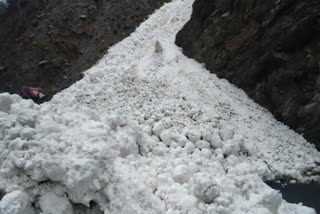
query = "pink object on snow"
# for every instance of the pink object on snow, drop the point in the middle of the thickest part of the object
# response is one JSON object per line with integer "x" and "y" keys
{"x": 31, "y": 92}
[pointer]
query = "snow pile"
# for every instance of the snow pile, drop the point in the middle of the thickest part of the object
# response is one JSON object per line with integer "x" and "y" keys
{"x": 55, "y": 152}
{"x": 148, "y": 131}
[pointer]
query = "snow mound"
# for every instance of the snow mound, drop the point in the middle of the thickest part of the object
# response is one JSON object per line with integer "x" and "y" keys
{"x": 148, "y": 130}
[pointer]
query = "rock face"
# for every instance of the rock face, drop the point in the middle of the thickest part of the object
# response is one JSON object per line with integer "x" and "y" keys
{"x": 271, "y": 49}
{"x": 48, "y": 44}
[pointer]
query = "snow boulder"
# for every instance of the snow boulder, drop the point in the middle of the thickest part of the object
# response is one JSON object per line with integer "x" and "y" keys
{"x": 27, "y": 133}
{"x": 16, "y": 202}
{"x": 204, "y": 187}
{"x": 189, "y": 147}
{"x": 167, "y": 137}
{"x": 5, "y": 102}
{"x": 127, "y": 139}
{"x": 295, "y": 209}
{"x": 181, "y": 173}
{"x": 50, "y": 203}
{"x": 194, "y": 135}
{"x": 269, "y": 199}
{"x": 188, "y": 202}
{"x": 181, "y": 140}
{"x": 201, "y": 144}
{"x": 230, "y": 147}
{"x": 178, "y": 195}
{"x": 215, "y": 141}
{"x": 226, "y": 133}
{"x": 54, "y": 169}
{"x": 160, "y": 126}
{"x": 207, "y": 133}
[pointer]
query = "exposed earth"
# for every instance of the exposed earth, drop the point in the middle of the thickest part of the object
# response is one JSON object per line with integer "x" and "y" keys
{"x": 49, "y": 44}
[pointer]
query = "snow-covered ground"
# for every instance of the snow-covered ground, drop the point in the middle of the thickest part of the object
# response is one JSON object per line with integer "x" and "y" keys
{"x": 148, "y": 131}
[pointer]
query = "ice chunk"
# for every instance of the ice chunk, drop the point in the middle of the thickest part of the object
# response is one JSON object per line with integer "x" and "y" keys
{"x": 206, "y": 153}
{"x": 269, "y": 199}
{"x": 5, "y": 102}
{"x": 50, "y": 203}
{"x": 230, "y": 147}
{"x": 158, "y": 128}
{"x": 181, "y": 140}
{"x": 188, "y": 202}
{"x": 16, "y": 202}
{"x": 215, "y": 141}
{"x": 189, "y": 147}
{"x": 226, "y": 133}
{"x": 207, "y": 133}
{"x": 194, "y": 135}
{"x": 167, "y": 137}
{"x": 181, "y": 173}
{"x": 28, "y": 133}
{"x": 54, "y": 170}
{"x": 201, "y": 144}
{"x": 295, "y": 209}
{"x": 128, "y": 143}
{"x": 204, "y": 187}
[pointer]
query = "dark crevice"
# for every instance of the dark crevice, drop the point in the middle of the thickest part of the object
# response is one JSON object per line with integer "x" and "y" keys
{"x": 2, "y": 194}
{"x": 93, "y": 208}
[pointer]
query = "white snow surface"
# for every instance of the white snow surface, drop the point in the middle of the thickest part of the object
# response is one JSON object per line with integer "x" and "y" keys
{"x": 148, "y": 131}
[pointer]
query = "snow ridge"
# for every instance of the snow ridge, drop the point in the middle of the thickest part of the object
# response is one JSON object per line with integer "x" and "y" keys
{"x": 148, "y": 130}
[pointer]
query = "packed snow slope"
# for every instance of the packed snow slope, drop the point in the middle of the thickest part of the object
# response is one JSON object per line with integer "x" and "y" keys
{"x": 148, "y": 130}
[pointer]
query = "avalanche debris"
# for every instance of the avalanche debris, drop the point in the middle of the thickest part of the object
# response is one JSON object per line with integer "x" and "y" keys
{"x": 148, "y": 133}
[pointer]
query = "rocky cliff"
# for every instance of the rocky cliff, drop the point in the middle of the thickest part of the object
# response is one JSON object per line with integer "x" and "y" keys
{"x": 49, "y": 43}
{"x": 271, "y": 49}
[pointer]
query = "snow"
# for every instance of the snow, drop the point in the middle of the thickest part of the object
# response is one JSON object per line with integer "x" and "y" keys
{"x": 53, "y": 203}
{"x": 148, "y": 130}
{"x": 16, "y": 202}
{"x": 5, "y": 102}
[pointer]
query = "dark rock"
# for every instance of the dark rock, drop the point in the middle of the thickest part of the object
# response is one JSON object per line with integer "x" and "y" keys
{"x": 77, "y": 31}
{"x": 271, "y": 49}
